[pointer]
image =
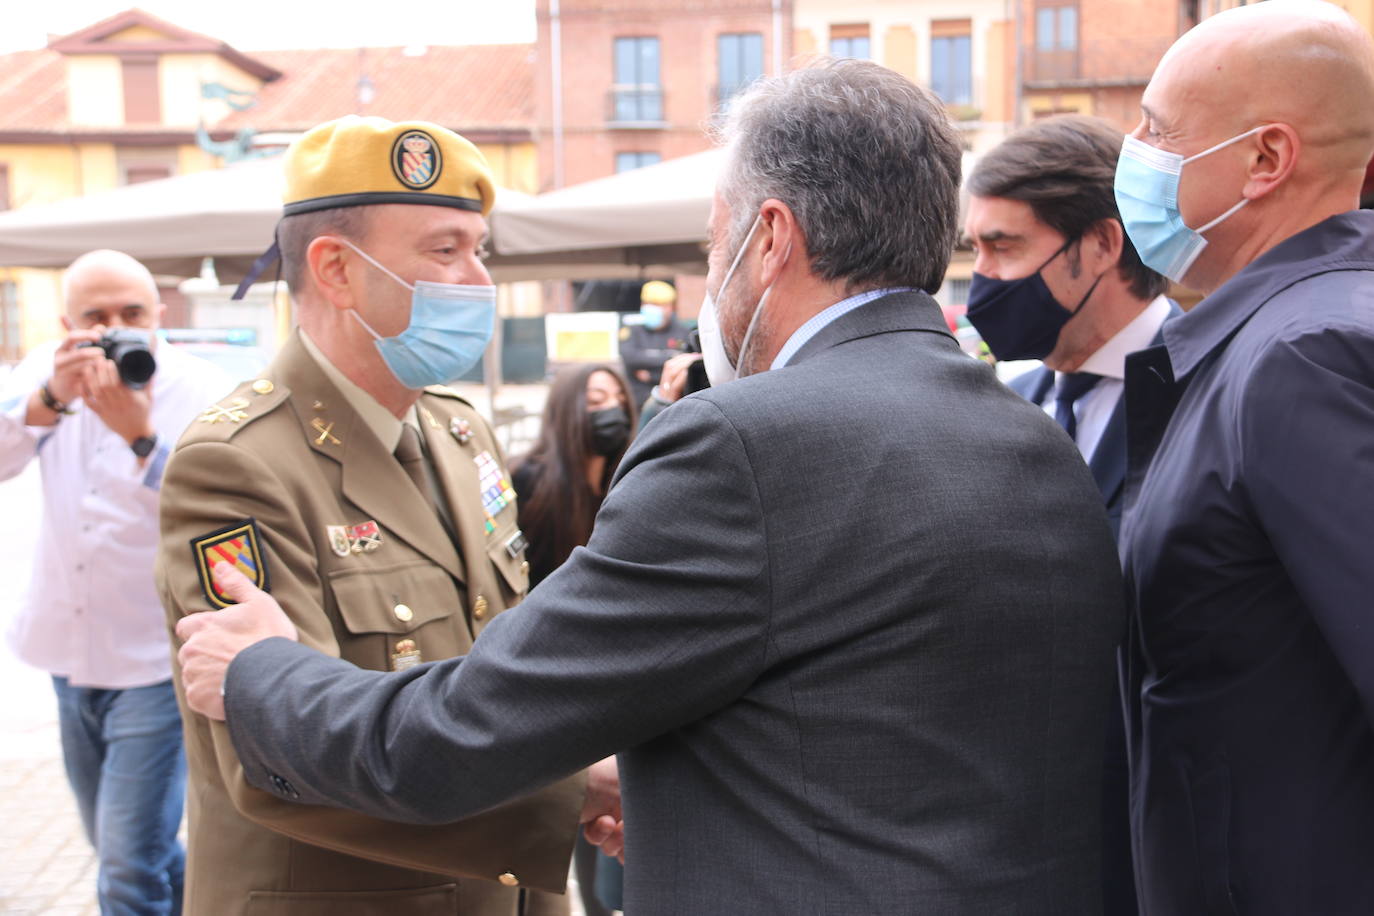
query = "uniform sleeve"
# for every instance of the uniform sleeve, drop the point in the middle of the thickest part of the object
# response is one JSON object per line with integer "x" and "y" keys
{"x": 1308, "y": 446}
{"x": 660, "y": 620}
{"x": 211, "y": 485}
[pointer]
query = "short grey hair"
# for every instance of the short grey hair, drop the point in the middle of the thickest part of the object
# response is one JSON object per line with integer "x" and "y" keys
{"x": 295, "y": 233}
{"x": 867, "y": 161}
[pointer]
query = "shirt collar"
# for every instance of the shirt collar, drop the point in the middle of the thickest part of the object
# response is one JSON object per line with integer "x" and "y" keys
{"x": 1338, "y": 242}
{"x": 377, "y": 418}
{"x": 822, "y": 318}
{"x": 1109, "y": 360}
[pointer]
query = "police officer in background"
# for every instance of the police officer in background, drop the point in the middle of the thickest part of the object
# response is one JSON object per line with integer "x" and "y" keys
{"x": 656, "y": 336}
{"x": 376, "y": 503}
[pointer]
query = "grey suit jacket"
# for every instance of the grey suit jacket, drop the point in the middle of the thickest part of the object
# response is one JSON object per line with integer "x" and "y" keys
{"x": 849, "y": 623}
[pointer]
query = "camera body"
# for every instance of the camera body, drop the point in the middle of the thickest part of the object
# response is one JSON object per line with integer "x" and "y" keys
{"x": 131, "y": 353}
{"x": 696, "y": 373}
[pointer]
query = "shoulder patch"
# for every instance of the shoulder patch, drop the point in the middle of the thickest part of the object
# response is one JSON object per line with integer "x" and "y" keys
{"x": 238, "y": 544}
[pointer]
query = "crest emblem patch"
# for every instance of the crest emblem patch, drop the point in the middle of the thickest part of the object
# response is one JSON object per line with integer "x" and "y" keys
{"x": 238, "y": 544}
{"x": 415, "y": 159}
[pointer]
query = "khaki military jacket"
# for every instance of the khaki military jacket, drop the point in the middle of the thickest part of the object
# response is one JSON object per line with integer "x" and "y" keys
{"x": 283, "y": 477}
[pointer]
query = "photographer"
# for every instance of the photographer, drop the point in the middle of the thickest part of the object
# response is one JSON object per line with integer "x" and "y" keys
{"x": 101, "y": 411}
{"x": 682, "y": 375}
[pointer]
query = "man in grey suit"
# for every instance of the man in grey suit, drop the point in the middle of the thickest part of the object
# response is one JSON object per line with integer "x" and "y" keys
{"x": 848, "y": 620}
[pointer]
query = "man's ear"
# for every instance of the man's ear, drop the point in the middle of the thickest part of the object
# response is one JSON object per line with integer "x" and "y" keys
{"x": 326, "y": 263}
{"x": 1105, "y": 239}
{"x": 782, "y": 239}
{"x": 66, "y": 324}
{"x": 1274, "y": 153}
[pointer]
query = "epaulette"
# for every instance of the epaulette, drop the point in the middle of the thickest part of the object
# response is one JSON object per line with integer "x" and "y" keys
{"x": 445, "y": 391}
{"x": 246, "y": 403}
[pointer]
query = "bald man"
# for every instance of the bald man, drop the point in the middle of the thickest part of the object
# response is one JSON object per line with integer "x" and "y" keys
{"x": 102, "y": 444}
{"x": 1249, "y": 668}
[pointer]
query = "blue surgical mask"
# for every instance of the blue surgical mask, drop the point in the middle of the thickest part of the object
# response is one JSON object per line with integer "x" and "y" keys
{"x": 1020, "y": 319}
{"x": 655, "y": 316}
{"x": 450, "y": 327}
{"x": 1147, "y": 197}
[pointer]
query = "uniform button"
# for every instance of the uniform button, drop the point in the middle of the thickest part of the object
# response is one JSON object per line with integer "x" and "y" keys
{"x": 508, "y": 879}
{"x": 525, "y": 568}
{"x": 262, "y": 386}
{"x": 479, "y": 607}
{"x": 403, "y": 613}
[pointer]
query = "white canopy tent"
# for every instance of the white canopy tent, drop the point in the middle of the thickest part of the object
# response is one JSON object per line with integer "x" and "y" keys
{"x": 649, "y": 220}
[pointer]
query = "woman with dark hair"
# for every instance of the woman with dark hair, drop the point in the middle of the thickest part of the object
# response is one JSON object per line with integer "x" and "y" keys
{"x": 559, "y": 485}
{"x": 588, "y": 423}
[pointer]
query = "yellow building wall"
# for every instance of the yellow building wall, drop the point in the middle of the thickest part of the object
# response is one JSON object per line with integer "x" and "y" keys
{"x": 95, "y": 90}
{"x": 513, "y": 165}
{"x": 136, "y": 33}
{"x": 1000, "y": 100}
{"x": 39, "y": 293}
{"x": 180, "y": 77}
{"x": 1038, "y": 106}
{"x": 803, "y": 44}
{"x": 191, "y": 158}
{"x": 899, "y": 50}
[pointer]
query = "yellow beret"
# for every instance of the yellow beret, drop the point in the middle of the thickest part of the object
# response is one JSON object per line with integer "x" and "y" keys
{"x": 656, "y": 292}
{"x": 354, "y": 161}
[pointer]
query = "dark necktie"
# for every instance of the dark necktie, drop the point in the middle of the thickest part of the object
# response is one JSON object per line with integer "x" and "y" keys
{"x": 412, "y": 458}
{"x": 1071, "y": 387}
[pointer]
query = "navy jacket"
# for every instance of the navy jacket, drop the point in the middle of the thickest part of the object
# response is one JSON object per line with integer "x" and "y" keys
{"x": 1248, "y": 546}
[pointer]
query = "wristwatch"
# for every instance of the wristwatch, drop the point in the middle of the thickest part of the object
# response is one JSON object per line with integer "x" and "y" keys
{"x": 143, "y": 445}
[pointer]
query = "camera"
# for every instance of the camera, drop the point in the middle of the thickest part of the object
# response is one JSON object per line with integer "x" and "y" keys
{"x": 131, "y": 354}
{"x": 696, "y": 373}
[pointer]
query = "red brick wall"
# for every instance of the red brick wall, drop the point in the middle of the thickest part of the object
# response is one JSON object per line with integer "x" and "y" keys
{"x": 687, "y": 31}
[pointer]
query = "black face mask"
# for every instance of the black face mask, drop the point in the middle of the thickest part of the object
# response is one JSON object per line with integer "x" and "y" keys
{"x": 1020, "y": 319}
{"x": 610, "y": 430}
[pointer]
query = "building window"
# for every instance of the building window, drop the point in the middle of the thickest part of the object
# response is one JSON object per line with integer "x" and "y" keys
{"x": 142, "y": 97}
{"x": 951, "y": 60}
{"x": 4, "y": 186}
{"x": 138, "y": 164}
{"x": 625, "y": 162}
{"x": 850, "y": 41}
{"x": 637, "y": 95}
{"x": 1056, "y": 40}
{"x": 739, "y": 63}
{"x": 10, "y": 344}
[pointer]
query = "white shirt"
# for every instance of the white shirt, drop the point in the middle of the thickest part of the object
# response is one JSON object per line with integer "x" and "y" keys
{"x": 816, "y": 322}
{"x": 1094, "y": 409}
{"x": 92, "y": 612}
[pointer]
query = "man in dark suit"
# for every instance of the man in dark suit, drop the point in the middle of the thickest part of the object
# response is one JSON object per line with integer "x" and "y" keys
{"x": 1057, "y": 279}
{"x": 1249, "y": 511}
{"x": 847, "y": 619}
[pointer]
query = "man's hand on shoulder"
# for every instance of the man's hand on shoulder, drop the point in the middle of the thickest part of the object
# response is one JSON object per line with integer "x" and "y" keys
{"x": 212, "y": 639}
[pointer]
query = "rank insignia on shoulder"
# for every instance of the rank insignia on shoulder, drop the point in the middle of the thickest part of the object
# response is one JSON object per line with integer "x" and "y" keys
{"x": 232, "y": 412}
{"x": 238, "y": 544}
{"x": 461, "y": 429}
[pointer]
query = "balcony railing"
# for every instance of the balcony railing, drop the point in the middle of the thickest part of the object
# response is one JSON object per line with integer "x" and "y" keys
{"x": 1099, "y": 62}
{"x": 636, "y": 106}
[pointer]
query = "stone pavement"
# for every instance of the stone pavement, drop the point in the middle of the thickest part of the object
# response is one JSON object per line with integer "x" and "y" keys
{"x": 46, "y": 865}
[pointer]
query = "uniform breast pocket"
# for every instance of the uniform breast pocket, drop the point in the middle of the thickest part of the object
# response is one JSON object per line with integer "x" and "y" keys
{"x": 507, "y": 554}
{"x": 396, "y": 617}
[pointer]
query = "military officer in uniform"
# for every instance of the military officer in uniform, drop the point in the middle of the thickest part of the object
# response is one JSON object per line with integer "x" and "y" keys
{"x": 655, "y": 337}
{"x": 377, "y": 506}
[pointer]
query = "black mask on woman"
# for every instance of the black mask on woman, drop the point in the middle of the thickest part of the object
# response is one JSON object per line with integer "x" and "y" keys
{"x": 610, "y": 430}
{"x": 1019, "y": 319}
